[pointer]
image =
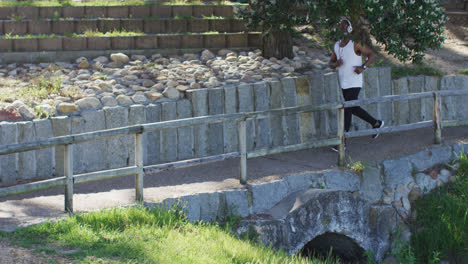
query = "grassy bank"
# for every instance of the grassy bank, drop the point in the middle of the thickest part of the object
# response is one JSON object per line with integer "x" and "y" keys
{"x": 137, "y": 235}
{"x": 441, "y": 229}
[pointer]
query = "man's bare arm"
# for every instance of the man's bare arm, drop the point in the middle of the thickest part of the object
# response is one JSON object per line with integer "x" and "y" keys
{"x": 334, "y": 62}
{"x": 368, "y": 53}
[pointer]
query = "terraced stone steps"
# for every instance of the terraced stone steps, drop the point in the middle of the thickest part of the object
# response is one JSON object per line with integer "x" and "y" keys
{"x": 94, "y": 29}
{"x": 148, "y": 25}
{"x": 139, "y": 11}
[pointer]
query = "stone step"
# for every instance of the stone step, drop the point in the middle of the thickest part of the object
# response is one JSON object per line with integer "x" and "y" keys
{"x": 145, "y": 41}
{"x": 136, "y": 11}
{"x": 149, "y": 25}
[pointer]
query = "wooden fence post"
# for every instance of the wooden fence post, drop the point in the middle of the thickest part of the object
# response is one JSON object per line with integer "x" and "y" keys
{"x": 69, "y": 178}
{"x": 243, "y": 151}
{"x": 437, "y": 118}
{"x": 341, "y": 148}
{"x": 139, "y": 177}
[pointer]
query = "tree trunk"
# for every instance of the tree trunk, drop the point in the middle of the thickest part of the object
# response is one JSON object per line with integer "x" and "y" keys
{"x": 278, "y": 44}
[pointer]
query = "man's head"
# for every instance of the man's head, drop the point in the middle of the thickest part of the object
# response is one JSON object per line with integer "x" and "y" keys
{"x": 345, "y": 25}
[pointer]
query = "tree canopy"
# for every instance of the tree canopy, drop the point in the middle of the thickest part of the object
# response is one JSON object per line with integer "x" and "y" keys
{"x": 406, "y": 28}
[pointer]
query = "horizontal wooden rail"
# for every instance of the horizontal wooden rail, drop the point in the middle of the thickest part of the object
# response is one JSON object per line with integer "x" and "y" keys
{"x": 452, "y": 123}
{"x": 387, "y": 98}
{"x": 104, "y": 175}
{"x": 190, "y": 162}
{"x": 289, "y": 148}
{"x": 392, "y": 129}
{"x": 32, "y": 187}
{"x": 453, "y": 92}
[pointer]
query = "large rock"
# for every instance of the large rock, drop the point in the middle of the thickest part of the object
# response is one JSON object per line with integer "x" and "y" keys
{"x": 119, "y": 58}
{"x": 24, "y": 110}
{"x": 425, "y": 182}
{"x": 67, "y": 108}
{"x": 124, "y": 100}
{"x": 9, "y": 113}
{"x": 207, "y": 55}
{"x": 171, "y": 93}
{"x": 428, "y": 158}
{"x": 88, "y": 103}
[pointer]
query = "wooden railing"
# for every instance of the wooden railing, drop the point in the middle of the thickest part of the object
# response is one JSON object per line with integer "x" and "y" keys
{"x": 69, "y": 179}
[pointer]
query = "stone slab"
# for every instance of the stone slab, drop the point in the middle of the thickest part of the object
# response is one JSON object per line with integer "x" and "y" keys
{"x": 262, "y": 126}
{"x": 169, "y": 136}
{"x": 277, "y": 122}
{"x": 199, "y": 101}
{"x": 8, "y": 163}
{"x": 136, "y": 116}
{"x": 342, "y": 180}
{"x": 307, "y": 124}
{"x": 79, "y": 158}
{"x": 292, "y": 121}
{"x": 215, "y": 131}
{"x": 371, "y": 183}
{"x": 237, "y": 202}
{"x": 246, "y": 104}
{"x": 117, "y": 147}
{"x": 45, "y": 158}
{"x": 26, "y": 160}
{"x": 385, "y": 88}
{"x": 428, "y": 158}
{"x": 431, "y": 84}
{"x": 230, "y": 128}
{"x": 153, "y": 139}
{"x": 185, "y": 147}
{"x": 316, "y": 82}
{"x": 210, "y": 206}
{"x": 401, "y": 108}
{"x": 415, "y": 85}
{"x": 61, "y": 126}
{"x": 333, "y": 94}
{"x": 301, "y": 181}
{"x": 397, "y": 172}
{"x": 266, "y": 195}
{"x": 189, "y": 203}
{"x": 92, "y": 151}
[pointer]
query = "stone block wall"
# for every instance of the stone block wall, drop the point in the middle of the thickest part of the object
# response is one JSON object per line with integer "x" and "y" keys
{"x": 214, "y": 139}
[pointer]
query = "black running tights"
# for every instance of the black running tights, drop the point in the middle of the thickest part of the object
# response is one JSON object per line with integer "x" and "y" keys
{"x": 349, "y": 95}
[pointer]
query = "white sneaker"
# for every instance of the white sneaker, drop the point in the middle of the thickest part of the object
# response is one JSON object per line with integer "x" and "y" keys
{"x": 337, "y": 148}
{"x": 382, "y": 123}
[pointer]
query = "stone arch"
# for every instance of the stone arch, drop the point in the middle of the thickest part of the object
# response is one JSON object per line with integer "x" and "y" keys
{"x": 343, "y": 247}
{"x": 306, "y": 215}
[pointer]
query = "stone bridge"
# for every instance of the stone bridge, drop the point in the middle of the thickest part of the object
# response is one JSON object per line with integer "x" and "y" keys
{"x": 318, "y": 219}
{"x": 351, "y": 212}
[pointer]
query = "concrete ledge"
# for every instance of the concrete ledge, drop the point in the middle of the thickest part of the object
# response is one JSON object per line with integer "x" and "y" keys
{"x": 51, "y": 56}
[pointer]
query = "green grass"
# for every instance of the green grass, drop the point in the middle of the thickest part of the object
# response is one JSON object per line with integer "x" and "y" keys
{"x": 464, "y": 71}
{"x": 442, "y": 221}
{"x": 414, "y": 70}
{"x": 138, "y": 235}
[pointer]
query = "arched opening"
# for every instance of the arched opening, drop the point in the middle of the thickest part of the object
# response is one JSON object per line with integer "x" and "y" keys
{"x": 342, "y": 247}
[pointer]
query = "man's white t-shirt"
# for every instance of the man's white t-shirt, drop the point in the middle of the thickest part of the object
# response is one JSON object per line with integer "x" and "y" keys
{"x": 348, "y": 78}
